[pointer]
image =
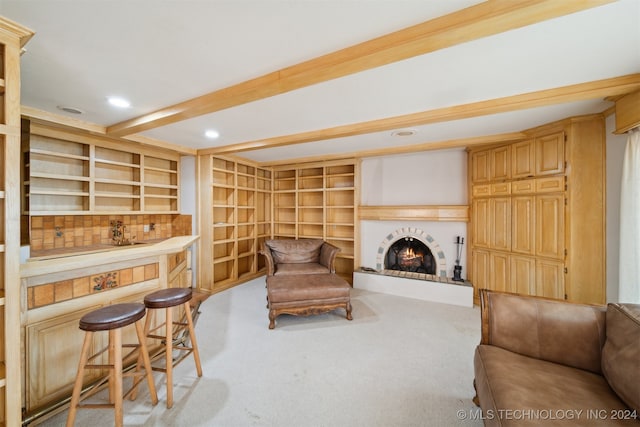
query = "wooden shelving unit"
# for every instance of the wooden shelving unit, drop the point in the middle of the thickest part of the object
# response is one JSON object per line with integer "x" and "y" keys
{"x": 12, "y": 38}
{"x": 243, "y": 204}
{"x": 319, "y": 201}
{"x": 236, "y": 201}
{"x": 67, "y": 174}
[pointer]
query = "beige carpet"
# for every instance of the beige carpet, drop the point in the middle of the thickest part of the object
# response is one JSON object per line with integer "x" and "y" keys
{"x": 400, "y": 362}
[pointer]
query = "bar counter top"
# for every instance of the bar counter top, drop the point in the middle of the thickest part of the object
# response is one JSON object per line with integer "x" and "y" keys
{"x": 38, "y": 266}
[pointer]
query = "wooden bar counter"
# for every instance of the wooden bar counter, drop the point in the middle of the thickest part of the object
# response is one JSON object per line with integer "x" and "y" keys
{"x": 58, "y": 289}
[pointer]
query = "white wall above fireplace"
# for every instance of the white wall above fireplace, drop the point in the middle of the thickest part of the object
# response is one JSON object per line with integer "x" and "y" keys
{"x": 427, "y": 178}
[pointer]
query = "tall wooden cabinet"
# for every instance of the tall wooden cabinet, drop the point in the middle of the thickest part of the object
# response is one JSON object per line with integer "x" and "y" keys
{"x": 537, "y": 220}
{"x": 12, "y": 38}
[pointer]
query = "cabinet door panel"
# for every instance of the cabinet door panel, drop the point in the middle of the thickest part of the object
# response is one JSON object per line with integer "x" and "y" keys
{"x": 501, "y": 163}
{"x": 53, "y": 352}
{"x": 550, "y": 154}
{"x": 526, "y": 186}
{"x": 523, "y": 275}
{"x": 500, "y": 223}
{"x": 480, "y": 270}
{"x": 523, "y": 159}
{"x": 480, "y": 166}
{"x": 550, "y": 226}
{"x": 481, "y": 190}
{"x": 481, "y": 222}
{"x": 501, "y": 189}
{"x": 550, "y": 279}
{"x": 499, "y": 277}
{"x": 523, "y": 224}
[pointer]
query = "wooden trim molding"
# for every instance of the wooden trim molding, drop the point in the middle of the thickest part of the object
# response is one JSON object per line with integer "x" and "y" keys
{"x": 451, "y": 213}
{"x": 481, "y": 20}
{"x": 627, "y": 112}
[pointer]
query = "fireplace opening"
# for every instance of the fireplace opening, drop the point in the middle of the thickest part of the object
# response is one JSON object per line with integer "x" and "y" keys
{"x": 409, "y": 254}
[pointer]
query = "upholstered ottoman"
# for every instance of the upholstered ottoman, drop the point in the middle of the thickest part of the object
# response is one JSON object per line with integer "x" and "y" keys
{"x": 305, "y": 294}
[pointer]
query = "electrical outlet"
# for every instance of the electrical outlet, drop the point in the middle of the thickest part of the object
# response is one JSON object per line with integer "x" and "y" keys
{"x": 145, "y": 228}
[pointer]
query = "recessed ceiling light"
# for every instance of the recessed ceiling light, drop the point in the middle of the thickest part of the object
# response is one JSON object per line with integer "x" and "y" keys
{"x": 71, "y": 110}
{"x": 119, "y": 102}
{"x": 212, "y": 134}
{"x": 403, "y": 132}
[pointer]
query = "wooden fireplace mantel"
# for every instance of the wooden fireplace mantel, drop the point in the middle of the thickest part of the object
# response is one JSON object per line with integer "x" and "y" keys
{"x": 457, "y": 213}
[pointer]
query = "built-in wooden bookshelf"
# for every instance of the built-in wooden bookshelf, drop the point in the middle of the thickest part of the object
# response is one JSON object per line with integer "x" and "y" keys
{"x": 236, "y": 214}
{"x": 67, "y": 174}
{"x": 243, "y": 204}
{"x": 12, "y": 38}
{"x": 319, "y": 201}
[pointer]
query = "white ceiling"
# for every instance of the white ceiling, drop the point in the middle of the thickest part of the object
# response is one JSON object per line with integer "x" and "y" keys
{"x": 160, "y": 52}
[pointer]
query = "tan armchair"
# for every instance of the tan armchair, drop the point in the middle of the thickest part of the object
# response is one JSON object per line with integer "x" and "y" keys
{"x": 301, "y": 279}
{"x": 299, "y": 256}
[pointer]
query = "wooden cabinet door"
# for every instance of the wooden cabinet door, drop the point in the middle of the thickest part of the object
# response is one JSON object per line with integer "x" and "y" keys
{"x": 523, "y": 159}
{"x": 480, "y": 269}
{"x": 501, "y": 163}
{"x": 523, "y": 224}
{"x": 549, "y": 229}
{"x": 500, "y": 222}
{"x": 523, "y": 274}
{"x": 550, "y": 279}
{"x": 550, "y": 154}
{"x": 480, "y": 166}
{"x": 481, "y": 223}
{"x": 53, "y": 352}
{"x": 499, "y": 277}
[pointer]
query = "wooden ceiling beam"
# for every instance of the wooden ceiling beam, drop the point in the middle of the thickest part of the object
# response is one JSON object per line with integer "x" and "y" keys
{"x": 571, "y": 93}
{"x": 481, "y": 20}
{"x": 405, "y": 149}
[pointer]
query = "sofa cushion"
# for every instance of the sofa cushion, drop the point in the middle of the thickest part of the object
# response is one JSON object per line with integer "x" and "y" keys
{"x": 289, "y": 251}
{"x": 516, "y": 386}
{"x": 621, "y": 352}
{"x": 571, "y": 334}
{"x": 306, "y": 268}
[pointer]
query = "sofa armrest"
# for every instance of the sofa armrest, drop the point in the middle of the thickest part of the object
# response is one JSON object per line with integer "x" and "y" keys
{"x": 542, "y": 328}
{"x": 328, "y": 254}
{"x": 264, "y": 250}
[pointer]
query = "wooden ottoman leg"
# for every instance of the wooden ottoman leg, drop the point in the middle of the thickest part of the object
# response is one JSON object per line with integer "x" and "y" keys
{"x": 272, "y": 319}
{"x": 348, "y": 308}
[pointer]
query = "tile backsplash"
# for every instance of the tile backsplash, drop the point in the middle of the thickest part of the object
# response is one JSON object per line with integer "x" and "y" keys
{"x": 77, "y": 231}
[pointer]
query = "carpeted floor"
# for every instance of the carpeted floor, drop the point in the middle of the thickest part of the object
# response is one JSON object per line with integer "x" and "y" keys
{"x": 400, "y": 362}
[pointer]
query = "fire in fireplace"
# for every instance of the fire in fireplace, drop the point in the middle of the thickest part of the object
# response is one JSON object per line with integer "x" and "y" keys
{"x": 409, "y": 254}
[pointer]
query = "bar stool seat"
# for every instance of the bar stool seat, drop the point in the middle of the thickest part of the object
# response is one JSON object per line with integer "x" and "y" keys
{"x": 179, "y": 334}
{"x": 112, "y": 318}
{"x": 168, "y": 297}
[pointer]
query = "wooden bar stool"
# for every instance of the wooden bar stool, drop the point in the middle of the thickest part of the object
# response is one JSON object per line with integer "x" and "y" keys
{"x": 179, "y": 334}
{"x": 112, "y": 318}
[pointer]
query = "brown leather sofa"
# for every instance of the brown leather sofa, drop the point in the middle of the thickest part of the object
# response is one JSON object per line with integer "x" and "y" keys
{"x": 549, "y": 362}
{"x": 301, "y": 278}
